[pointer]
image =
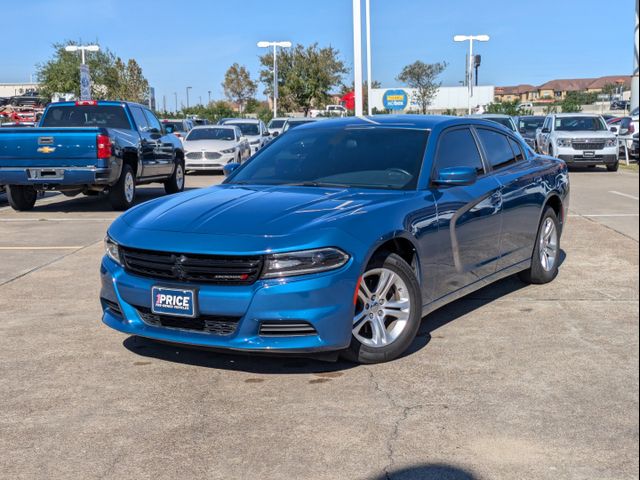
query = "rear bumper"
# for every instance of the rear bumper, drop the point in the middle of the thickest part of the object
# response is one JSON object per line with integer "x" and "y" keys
{"x": 55, "y": 176}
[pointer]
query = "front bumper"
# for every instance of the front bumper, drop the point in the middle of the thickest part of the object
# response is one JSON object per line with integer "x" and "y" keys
{"x": 54, "y": 176}
{"x": 325, "y": 301}
{"x": 209, "y": 164}
{"x": 574, "y": 157}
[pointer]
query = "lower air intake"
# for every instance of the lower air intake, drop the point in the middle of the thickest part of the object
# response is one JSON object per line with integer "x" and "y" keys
{"x": 289, "y": 328}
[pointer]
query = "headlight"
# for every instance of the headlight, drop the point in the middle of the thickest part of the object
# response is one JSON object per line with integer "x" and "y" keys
{"x": 565, "y": 142}
{"x": 228, "y": 150}
{"x": 612, "y": 142}
{"x": 112, "y": 250}
{"x": 303, "y": 262}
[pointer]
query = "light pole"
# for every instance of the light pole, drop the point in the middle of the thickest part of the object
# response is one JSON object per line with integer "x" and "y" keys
{"x": 82, "y": 48}
{"x": 175, "y": 97}
{"x": 275, "y": 46}
{"x": 357, "y": 56}
{"x": 188, "y": 88}
{"x": 209, "y": 92}
{"x": 367, "y": 14}
{"x": 470, "y": 38}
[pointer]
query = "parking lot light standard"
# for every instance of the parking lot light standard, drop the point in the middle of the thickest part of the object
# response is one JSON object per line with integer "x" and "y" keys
{"x": 470, "y": 38}
{"x": 82, "y": 48}
{"x": 275, "y": 45}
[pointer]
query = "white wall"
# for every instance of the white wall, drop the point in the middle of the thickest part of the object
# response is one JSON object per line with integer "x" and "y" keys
{"x": 13, "y": 89}
{"x": 447, "y": 97}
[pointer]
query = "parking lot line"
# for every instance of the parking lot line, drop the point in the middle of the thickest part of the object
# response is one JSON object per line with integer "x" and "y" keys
{"x": 624, "y": 194}
{"x": 76, "y": 247}
{"x": 604, "y": 215}
{"x": 42, "y": 219}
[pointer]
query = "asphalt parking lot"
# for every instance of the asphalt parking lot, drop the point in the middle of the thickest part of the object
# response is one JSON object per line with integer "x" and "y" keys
{"x": 512, "y": 382}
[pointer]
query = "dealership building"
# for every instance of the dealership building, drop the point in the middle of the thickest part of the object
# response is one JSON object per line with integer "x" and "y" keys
{"x": 17, "y": 89}
{"x": 402, "y": 100}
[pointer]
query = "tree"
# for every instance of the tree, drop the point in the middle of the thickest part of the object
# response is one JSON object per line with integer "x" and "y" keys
{"x": 132, "y": 86}
{"x": 508, "y": 108}
{"x": 422, "y": 76}
{"x": 238, "y": 86}
{"x": 572, "y": 103}
{"x": 305, "y": 76}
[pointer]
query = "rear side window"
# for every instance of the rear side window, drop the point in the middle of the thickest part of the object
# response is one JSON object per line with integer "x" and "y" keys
{"x": 457, "y": 148}
{"x": 140, "y": 119}
{"x": 107, "y": 116}
{"x": 497, "y": 148}
{"x": 517, "y": 150}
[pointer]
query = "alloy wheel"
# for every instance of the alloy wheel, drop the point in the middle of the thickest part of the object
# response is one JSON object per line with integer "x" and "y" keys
{"x": 548, "y": 245}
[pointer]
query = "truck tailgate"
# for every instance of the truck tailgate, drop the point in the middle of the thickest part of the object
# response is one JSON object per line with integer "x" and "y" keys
{"x": 48, "y": 147}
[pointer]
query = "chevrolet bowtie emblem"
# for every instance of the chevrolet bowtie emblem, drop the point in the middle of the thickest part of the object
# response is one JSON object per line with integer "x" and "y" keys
{"x": 46, "y": 149}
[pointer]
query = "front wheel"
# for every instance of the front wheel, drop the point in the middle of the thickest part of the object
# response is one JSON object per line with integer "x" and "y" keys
{"x": 21, "y": 197}
{"x": 175, "y": 183}
{"x": 613, "y": 167}
{"x": 546, "y": 253}
{"x": 388, "y": 311}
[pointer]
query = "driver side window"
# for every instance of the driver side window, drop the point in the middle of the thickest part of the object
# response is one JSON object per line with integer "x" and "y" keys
{"x": 458, "y": 148}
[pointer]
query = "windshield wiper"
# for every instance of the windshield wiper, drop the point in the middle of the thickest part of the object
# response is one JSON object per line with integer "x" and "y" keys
{"x": 316, "y": 184}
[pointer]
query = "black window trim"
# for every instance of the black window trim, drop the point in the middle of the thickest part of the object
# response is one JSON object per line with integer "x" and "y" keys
{"x": 485, "y": 157}
{"x": 469, "y": 127}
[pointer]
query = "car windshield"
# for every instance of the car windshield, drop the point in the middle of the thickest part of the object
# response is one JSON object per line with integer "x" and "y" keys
{"x": 108, "y": 116}
{"x": 530, "y": 123}
{"x": 276, "y": 123}
{"x": 246, "y": 128}
{"x": 297, "y": 123}
{"x": 502, "y": 121}
{"x": 210, "y": 134}
{"x": 385, "y": 158}
{"x": 574, "y": 124}
{"x": 171, "y": 127}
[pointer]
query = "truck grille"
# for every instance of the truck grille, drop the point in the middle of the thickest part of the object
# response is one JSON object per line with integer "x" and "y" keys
{"x": 187, "y": 267}
{"x": 582, "y": 145}
{"x": 214, "y": 324}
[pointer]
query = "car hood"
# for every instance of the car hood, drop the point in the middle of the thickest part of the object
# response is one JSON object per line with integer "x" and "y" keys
{"x": 585, "y": 134}
{"x": 264, "y": 211}
{"x": 207, "y": 145}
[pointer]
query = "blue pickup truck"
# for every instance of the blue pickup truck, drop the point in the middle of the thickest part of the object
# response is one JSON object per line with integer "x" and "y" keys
{"x": 90, "y": 147}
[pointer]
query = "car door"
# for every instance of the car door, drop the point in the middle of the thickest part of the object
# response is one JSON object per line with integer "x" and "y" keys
{"x": 469, "y": 216}
{"x": 164, "y": 147}
{"x": 545, "y": 134}
{"x": 520, "y": 191}
{"x": 147, "y": 143}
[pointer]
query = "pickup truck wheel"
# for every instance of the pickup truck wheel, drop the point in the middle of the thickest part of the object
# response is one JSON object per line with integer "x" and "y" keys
{"x": 123, "y": 193}
{"x": 613, "y": 167}
{"x": 21, "y": 197}
{"x": 546, "y": 253}
{"x": 175, "y": 183}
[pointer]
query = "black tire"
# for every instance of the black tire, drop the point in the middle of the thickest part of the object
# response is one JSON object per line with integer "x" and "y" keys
{"x": 361, "y": 353}
{"x": 550, "y": 151}
{"x": 613, "y": 167}
{"x": 22, "y": 197}
{"x": 120, "y": 195}
{"x": 537, "y": 274}
{"x": 175, "y": 183}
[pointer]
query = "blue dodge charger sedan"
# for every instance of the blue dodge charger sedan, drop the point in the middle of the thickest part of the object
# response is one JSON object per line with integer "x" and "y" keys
{"x": 338, "y": 236}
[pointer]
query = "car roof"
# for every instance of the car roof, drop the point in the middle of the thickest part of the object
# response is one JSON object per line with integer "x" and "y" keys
{"x": 242, "y": 120}
{"x": 576, "y": 114}
{"x": 489, "y": 115}
{"x": 205, "y": 127}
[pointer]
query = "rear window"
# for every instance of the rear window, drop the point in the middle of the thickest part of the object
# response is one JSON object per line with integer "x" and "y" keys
{"x": 107, "y": 116}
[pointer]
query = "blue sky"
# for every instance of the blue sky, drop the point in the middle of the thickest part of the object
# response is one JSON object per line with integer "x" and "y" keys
{"x": 193, "y": 42}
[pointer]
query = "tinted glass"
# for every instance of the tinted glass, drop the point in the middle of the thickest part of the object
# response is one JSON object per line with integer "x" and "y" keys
{"x": 502, "y": 121}
{"x": 297, "y": 123}
{"x": 171, "y": 127}
{"x": 517, "y": 149}
{"x": 210, "y": 134}
{"x": 276, "y": 123}
{"x": 154, "y": 123}
{"x": 574, "y": 124}
{"x": 246, "y": 128}
{"x": 496, "y": 146}
{"x": 457, "y": 148}
{"x": 139, "y": 118}
{"x": 108, "y": 116}
{"x": 530, "y": 123}
{"x": 383, "y": 158}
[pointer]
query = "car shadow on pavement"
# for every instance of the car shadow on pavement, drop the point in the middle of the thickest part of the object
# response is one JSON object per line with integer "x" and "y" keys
{"x": 321, "y": 363}
{"x": 429, "y": 471}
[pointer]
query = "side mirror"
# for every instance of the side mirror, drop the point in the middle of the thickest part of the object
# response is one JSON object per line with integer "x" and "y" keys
{"x": 545, "y": 130}
{"x": 265, "y": 133}
{"x": 456, "y": 176}
{"x": 229, "y": 167}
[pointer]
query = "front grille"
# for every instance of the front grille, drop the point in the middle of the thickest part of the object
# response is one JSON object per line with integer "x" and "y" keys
{"x": 113, "y": 307}
{"x": 187, "y": 267}
{"x": 212, "y": 155}
{"x": 588, "y": 145}
{"x": 286, "y": 328}
{"x": 194, "y": 155}
{"x": 214, "y": 324}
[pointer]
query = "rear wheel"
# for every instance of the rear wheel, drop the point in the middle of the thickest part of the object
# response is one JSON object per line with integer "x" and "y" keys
{"x": 21, "y": 197}
{"x": 546, "y": 253}
{"x": 123, "y": 193}
{"x": 388, "y": 311}
{"x": 175, "y": 183}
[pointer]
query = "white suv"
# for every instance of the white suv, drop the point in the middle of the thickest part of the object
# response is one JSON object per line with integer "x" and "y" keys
{"x": 580, "y": 139}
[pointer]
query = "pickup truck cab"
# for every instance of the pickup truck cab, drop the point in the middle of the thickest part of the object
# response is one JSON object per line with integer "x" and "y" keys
{"x": 580, "y": 139}
{"x": 90, "y": 147}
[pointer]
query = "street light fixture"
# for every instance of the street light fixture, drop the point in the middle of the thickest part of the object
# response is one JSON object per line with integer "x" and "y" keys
{"x": 275, "y": 45}
{"x": 82, "y": 48}
{"x": 470, "y": 39}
